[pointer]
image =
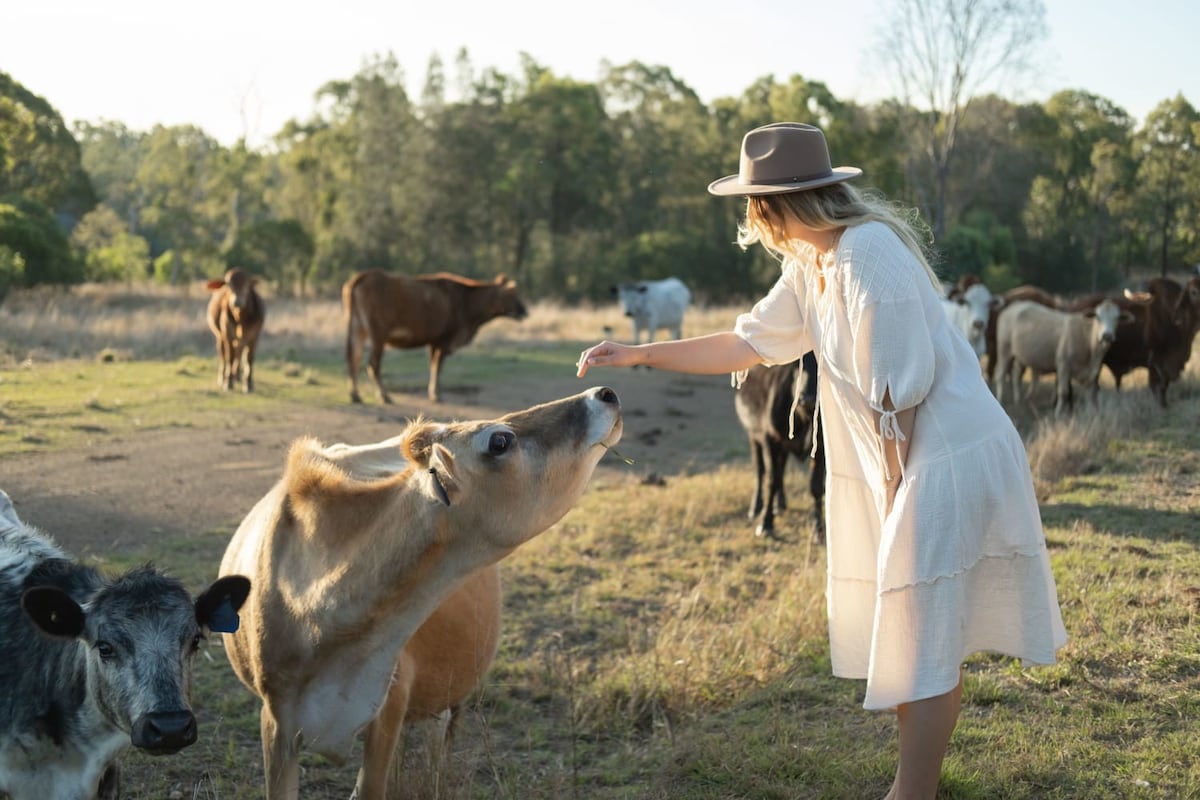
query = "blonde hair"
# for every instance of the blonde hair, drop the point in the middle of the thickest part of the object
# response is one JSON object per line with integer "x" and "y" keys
{"x": 822, "y": 209}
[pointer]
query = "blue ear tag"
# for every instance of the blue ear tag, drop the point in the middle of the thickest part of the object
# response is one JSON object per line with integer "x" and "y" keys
{"x": 224, "y": 619}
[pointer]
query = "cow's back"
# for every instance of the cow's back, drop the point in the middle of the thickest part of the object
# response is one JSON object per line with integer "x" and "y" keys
{"x": 405, "y": 311}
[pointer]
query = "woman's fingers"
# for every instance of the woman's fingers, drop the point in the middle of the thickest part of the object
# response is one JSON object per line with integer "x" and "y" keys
{"x": 591, "y": 357}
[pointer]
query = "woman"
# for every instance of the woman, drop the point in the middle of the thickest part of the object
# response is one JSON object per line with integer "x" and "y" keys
{"x": 935, "y": 543}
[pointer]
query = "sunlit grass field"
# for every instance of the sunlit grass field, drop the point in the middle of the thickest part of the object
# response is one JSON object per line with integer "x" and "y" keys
{"x": 652, "y": 647}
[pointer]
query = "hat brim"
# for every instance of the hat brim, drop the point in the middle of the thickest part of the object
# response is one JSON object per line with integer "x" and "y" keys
{"x": 731, "y": 185}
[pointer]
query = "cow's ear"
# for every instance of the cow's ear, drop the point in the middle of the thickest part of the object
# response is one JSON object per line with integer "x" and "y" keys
{"x": 1141, "y": 298}
{"x": 501, "y": 279}
{"x": 418, "y": 440}
{"x": 217, "y": 606}
{"x": 53, "y": 611}
{"x": 214, "y": 284}
{"x": 443, "y": 475}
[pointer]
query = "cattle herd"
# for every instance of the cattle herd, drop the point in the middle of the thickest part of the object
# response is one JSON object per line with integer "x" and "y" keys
{"x": 341, "y": 586}
{"x": 1027, "y": 328}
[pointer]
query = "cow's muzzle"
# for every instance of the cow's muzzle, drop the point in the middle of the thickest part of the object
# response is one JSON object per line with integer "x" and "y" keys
{"x": 164, "y": 732}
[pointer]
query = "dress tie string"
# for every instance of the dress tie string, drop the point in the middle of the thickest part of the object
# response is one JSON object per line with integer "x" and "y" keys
{"x": 889, "y": 430}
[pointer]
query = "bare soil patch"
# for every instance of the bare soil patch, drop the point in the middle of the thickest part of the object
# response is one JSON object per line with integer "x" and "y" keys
{"x": 125, "y": 491}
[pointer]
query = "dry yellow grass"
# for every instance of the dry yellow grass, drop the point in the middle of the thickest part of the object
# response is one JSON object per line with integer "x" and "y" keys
{"x": 50, "y": 323}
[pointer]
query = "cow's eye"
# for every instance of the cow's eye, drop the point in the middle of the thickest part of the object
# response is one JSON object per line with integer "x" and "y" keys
{"x": 106, "y": 651}
{"x": 499, "y": 442}
{"x": 196, "y": 642}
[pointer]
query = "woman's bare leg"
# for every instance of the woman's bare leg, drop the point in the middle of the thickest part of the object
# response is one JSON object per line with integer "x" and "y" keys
{"x": 925, "y": 728}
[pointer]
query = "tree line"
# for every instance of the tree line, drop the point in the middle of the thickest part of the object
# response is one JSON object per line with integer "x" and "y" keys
{"x": 571, "y": 187}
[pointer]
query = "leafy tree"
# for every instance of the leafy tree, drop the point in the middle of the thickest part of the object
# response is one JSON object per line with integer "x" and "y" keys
{"x": 110, "y": 154}
{"x": 1068, "y": 218}
{"x": 110, "y": 251}
{"x": 12, "y": 269}
{"x": 279, "y": 250}
{"x": 39, "y": 158}
{"x": 29, "y": 231}
{"x": 982, "y": 246}
{"x": 1167, "y": 176}
{"x": 186, "y": 199}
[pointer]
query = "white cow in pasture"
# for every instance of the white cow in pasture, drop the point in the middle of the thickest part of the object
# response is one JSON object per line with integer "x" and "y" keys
{"x": 968, "y": 311}
{"x": 654, "y": 305}
{"x": 1069, "y": 344}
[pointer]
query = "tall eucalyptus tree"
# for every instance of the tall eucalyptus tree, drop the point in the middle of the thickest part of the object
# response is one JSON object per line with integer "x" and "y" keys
{"x": 1168, "y": 180}
{"x": 941, "y": 54}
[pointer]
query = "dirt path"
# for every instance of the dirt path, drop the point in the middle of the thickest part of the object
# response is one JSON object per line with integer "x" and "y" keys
{"x": 123, "y": 492}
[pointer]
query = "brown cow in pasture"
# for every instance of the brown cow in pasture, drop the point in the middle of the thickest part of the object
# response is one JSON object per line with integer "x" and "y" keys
{"x": 1166, "y": 319}
{"x": 235, "y": 316}
{"x": 440, "y": 311}
{"x": 359, "y": 618}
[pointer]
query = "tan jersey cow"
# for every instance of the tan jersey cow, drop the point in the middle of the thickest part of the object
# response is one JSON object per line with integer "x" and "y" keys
{"x": 355, "y": 547}
{"x": 235, "y": 317}
{"x": 442, "y": 312}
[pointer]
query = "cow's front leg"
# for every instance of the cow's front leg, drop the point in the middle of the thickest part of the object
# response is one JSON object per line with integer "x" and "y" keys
{"x": 110, "y": 783}
{"x": 435, "y": 368}
{"x": 248, "y": 385}
{"x": 223, "y": 353}
{"x": 380, "y": 744}
{"x": 234, "y": 373}
{"x": 281, "y": 758}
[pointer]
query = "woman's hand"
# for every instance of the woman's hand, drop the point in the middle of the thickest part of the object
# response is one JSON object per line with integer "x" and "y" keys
{"x": 607, "y": 354}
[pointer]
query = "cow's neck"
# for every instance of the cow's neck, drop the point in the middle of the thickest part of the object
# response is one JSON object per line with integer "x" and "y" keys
{"x": 363, "y": 633}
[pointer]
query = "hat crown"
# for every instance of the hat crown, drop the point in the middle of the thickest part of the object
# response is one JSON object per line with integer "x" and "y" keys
{"x": 784, "y": 152}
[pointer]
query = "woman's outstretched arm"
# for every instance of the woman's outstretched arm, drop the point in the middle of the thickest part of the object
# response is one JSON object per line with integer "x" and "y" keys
{"x": 700, "y": 355}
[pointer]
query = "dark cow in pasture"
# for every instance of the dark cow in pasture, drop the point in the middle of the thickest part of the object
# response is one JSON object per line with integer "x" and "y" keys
{"x": 442, "y": 312}
{"x": 779, "y": 427}
{"x": 90, "y": 666}
{"x": 374, "y": 597}
{"x": 1069, "y": 344}
{"x": 235, "y": 316}
{"x": 1160, "y": 337}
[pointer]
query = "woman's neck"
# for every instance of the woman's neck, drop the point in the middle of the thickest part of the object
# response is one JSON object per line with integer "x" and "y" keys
{"x": 821, "y": 240}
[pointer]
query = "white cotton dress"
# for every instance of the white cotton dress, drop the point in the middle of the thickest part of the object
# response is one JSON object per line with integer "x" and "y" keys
{"x": 960, "y": 564}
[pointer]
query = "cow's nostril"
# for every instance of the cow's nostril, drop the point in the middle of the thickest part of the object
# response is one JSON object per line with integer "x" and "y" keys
{"x": 165, "y": 732}
{"x": 607, "y": 395}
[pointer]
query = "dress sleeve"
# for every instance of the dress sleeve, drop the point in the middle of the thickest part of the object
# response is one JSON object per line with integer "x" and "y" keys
{"x": 893, "y": 349}
{"x": 776, "y": 327}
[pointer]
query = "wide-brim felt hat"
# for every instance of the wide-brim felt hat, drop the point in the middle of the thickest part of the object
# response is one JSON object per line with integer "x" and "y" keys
{"x": 782, "y": 157}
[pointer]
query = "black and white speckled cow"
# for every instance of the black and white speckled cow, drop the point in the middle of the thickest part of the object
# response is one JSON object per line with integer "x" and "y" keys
{"x": 90, "y": 665}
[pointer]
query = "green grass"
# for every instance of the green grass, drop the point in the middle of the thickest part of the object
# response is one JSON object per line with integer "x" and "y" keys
{"x": 653, "y": 648}
{"x": 69, "y": 404}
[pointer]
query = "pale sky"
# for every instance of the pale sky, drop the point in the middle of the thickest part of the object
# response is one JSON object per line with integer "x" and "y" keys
{"x": 246, "y": 67}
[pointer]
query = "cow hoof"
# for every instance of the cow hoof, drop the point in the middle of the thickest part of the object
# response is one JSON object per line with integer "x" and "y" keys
{"x": 354, "y": 398}
{"x": 767, "y": 533}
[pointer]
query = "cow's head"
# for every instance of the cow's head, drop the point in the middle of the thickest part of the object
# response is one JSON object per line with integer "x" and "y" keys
{"x": 140, "y": 633}
{"x": 508, "y": 302}
{"x": 979, "y": 301}
{"x": 1105, "y": 318}
{"x": 635, "y": 298}
{"x": 506, "y": 480}
{"x": 237, "y": 285}
{"x": 1187, "y": 310}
